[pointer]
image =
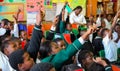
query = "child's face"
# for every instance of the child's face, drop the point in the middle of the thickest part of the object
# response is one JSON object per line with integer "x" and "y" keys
{"x": 3, "y": 25}
{"x": 89, "y": 58}
{"x": 61, "y": 44}
{"x": 103, "y": 24}
{"x": 109, "y": 17}
{"x": 69, "y": 27}
{"x": 24, "y": 34}
{"x": 11, "y": 48}
{"x": 55, "y": 48}
{"x": 28, "y": 62}
{"x": 117, "y": 29}
{"x": 18, "y": 44}
{"x": 10, "y": 26}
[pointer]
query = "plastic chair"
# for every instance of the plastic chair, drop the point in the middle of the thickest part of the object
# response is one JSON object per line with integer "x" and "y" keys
{"x": 75, "y": 32}
{"x": 118, "y": 53}
{"x": 102, "y": 53}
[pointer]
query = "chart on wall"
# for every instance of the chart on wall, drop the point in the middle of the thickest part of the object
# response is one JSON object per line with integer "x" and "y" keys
{"x": 33, "y": 5}
{"x": 32, "y": 10}
{"x": 9, "y": 7}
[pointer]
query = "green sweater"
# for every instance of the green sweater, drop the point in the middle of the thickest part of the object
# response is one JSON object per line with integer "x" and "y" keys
{"x": 58, "y": 59}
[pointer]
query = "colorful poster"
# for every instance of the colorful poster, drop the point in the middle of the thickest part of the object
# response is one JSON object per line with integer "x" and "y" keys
{"x": 7, "y": 9}
{"x": 33, "y": 5}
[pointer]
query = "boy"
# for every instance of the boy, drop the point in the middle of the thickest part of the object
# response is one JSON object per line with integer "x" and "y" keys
{"x": 21, "y": 60}
{"x": 110, "y": 46}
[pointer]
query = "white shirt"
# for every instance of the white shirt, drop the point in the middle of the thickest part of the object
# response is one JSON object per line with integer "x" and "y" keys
{"x": 4, "y": 63}
{"x": 115, "y": 36}
{"x": 77, "y": 19}
{"x": 53, "y": 28}
{"x": 108, "y": 24}
{"x": 16, "y": 30}
{"x": 110, "y": 48}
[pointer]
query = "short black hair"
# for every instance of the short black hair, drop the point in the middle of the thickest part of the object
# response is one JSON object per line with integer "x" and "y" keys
{"x": 45, "y": 49}
{"x": 42, "y": 67}
{"x": 57, "y": 40}
{"x": 6, "y": 21}
{"x": 5, "y": 44}
{"x": 16, "y": 58}
{"x": 78, "y": 7}
{"x": 82, "y": 55}
{"x": 103, "y": 31}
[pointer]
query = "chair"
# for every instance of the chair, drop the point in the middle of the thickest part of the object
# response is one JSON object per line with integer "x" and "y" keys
{"x": 75, "y": 32}
{"x": 102, "y": 53}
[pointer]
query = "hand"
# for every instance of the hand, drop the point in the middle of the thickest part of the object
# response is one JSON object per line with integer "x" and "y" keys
{"x": 92, "y": 29}
{"x": 55, "y": 21}
{"x": 100, "y": 61}
{"x": 19, "y": 10}
{"x": 118, "y": 13}
{"x": 38, "y": 17}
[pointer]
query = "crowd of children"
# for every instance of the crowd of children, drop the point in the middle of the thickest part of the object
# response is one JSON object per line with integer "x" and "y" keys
{"x": 62, "y": 49}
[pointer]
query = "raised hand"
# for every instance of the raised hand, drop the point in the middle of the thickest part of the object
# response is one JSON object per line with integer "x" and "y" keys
{"x": 38, "y": 17}
{"x": 100, "y": 61}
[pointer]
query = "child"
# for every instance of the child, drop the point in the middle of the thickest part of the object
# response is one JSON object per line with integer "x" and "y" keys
{"x": 86, "y": 59}
{"x": 87, "y": 45}
{"x": 68, "y": 29}
{"x": 21, "y": 60}
{"x": 110, "y": 46}
{"x": 116, "y": 35}
{"x": 4, "y": 26}
{"x": 60, "y": 42}
{"x": 59, "y": 58}
{"x": 97, "y": 42}
{"x": 24, "y": 39}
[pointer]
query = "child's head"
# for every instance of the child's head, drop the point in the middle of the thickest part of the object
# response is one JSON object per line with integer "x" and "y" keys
{"x": 117, "y": 28}
{"x": 23, "y": 35}
{"x": 69, "y": 26}
{"x": 99, "y": 31}
{"x": 17, "y": 42}
{"x": 109, "y": 17}
{"x": 103, "y": 25}
{"x": 47, "y": 48}
{"x": 104, "y": 32}
{"x": 43, "y": 67}
{"x": 8, "y": 47}
{"x": 4, "y": 23}
{"x": 60, "y": 42}
{"x": 20, "y": 60}
{"x": 85, "y": 57}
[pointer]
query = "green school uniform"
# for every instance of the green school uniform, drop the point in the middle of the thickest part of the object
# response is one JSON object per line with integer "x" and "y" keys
{"x": 58, "y": 59}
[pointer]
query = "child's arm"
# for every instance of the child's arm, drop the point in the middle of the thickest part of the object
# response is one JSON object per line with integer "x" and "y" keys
{"x": 102, "y": 62}
{"x": 114, "y": 23}
{"x": 62, "y": 24}
{"x": 35, "y": 41}
{"x": 15, "y": 17}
